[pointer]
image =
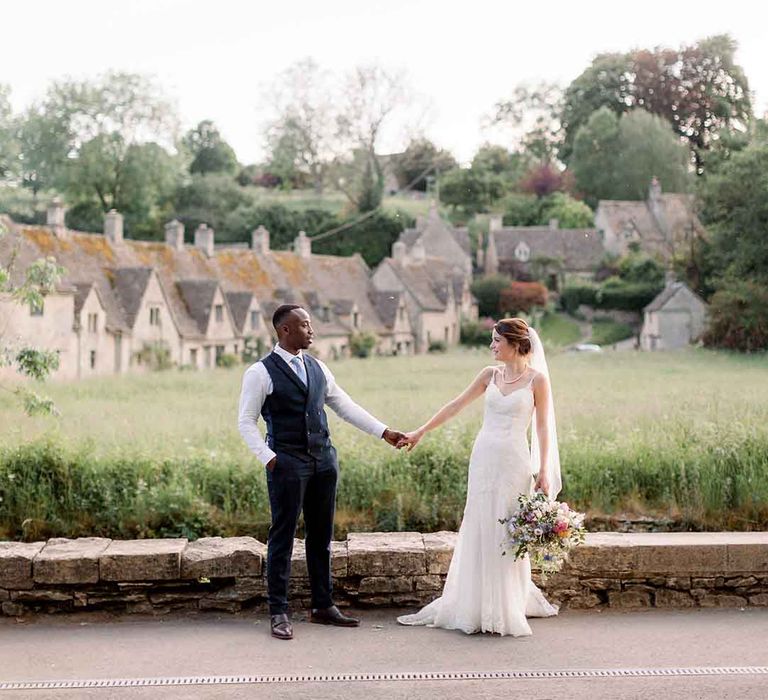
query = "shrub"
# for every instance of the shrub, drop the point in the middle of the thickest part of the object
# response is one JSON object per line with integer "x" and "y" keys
{"x": 616, "y": 293}
{"x": 157, "y": 356}
{"x": 476, "y": 333}
{"x": 487, "y": 290}
{"x": 738, "y": 317}
{"x": 361, "y": 344}
{"x": 577, "y": 293}
{"x": 437, "y": 346}
{"x": 227, "y": 360}
{"x": 522, "y": 297}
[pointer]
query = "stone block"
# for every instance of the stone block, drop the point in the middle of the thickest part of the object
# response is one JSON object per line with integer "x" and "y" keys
{"x": 375, "y": 600}
{"x": 223, "y": 557}
{"x": 740, "y": 582}
{"x": 429, "y": 583}
{"x": 584, "y": 601}
{"x": 4, "y": 595}
{"x": 221, "y": 605}
{"x": 760, "y": 599}
{"x": 412, "y": 598}
{"x": 666, "y": 598}
{"x": 69, "y": 561}
{"x": 12, "y": 609}
{"x": 16, "y": 563}
{"x": 680, "y": 558}
{"x": 241, "y": 592}
{"x": 629, "y": 599}
{"x": 42, "y": 596}
{"x": 339, "y": 559}
{"x": 385, "y": 584}
{"x": 142, "y": 560}
{"x": 601, "y": 584}
{"x": 115, "y": 598}
{"x": 682, "y": 583}
{"x": 439, "y": 547}
{"x": 752, "y": 558}
{"x": 604, "y": 552}
{"x": 386, "y": 554}
{"x": 174, "y": 597}
{"x": 722, "y": 601}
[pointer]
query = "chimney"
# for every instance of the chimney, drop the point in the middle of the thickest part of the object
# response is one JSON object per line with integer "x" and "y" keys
{"x": 55, "y": 216}
{"x": 418, "y": 254}
{"x": 554, "y": 224}
{"x": 302, "y": 245}
{"x": 113, "y": 227}
{"x": 174, "y": 234}
{"x": 399, "y": 251}
{"x": 204, "y": 239}
{"x": 260, "y": 240}
{"x": 494, "y": 222}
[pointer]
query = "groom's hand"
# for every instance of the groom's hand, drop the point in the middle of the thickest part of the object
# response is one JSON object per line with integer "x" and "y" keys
{"x": 393, "y": 437}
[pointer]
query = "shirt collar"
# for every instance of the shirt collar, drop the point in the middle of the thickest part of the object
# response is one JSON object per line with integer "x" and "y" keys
{"x": 287, "y": 356}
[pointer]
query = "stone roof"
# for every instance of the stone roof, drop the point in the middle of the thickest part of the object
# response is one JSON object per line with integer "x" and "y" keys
{"x": 665, "y": 218}
{"x": 668, "y": 293}
{"x": 83, "y": 289}
{"x": 121, "y": 273}
{"x": 440, "y": 240}
{"x": 580, "y": 250}
{"x": 386, "y": 304}
{"x": 130, "y": 284}
{"x": 431, "y": 282}
{"x": 198, "y": 297}
{"x": 239, "y": 304}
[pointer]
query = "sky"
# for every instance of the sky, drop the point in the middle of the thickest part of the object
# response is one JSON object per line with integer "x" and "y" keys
{"x": 214, "y": 59}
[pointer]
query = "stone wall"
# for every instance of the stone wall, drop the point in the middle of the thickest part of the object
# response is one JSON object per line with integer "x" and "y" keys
{"x": 371, "y": 569}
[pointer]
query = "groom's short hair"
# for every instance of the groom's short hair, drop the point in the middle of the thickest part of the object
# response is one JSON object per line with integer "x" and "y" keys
{"x": 281, "y": 312}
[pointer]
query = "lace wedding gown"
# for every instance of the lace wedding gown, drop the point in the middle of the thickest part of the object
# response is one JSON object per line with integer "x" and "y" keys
{"x": 485, "y": 591}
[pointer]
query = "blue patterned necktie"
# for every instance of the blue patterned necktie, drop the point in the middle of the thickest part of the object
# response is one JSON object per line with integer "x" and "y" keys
{"x": 298, "y": 367}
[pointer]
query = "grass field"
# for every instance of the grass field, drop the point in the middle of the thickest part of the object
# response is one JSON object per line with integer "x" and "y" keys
{"x": 680, "y": 434}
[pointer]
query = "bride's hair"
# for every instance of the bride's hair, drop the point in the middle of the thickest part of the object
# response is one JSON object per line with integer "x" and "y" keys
{"x": 516, "y": 332}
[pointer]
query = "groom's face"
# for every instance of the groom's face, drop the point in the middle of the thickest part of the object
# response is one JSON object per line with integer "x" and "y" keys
{"x": 299, "y": 329}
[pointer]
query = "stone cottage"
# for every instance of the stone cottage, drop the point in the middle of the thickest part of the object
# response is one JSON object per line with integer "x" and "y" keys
{"x": 664, "y": 225}
{"x": 674, "y": 319}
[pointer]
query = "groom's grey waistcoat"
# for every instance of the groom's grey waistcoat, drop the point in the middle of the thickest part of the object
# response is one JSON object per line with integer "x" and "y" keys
{"x": 294, "y": 413}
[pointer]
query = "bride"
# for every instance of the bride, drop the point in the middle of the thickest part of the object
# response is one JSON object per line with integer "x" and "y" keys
{"x": 485, "y": 591}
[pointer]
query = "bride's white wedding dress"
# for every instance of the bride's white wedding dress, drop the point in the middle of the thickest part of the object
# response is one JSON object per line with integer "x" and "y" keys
{"x": 485, "y": 591}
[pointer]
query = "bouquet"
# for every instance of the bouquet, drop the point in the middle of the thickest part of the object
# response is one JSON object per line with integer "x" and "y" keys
{"x": 544, "y": 530}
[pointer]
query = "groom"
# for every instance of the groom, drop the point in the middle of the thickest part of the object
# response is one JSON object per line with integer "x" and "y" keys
{"x": 289, "y": 389}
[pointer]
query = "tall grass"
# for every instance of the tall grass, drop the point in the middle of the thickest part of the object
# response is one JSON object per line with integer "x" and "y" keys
{"x": 684, "y": 435}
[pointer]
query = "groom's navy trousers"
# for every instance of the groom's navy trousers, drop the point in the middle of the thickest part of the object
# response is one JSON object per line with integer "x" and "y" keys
{"x": 303, "y": 480}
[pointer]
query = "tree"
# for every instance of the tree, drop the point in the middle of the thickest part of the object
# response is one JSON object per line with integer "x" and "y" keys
{"x": 533, "y": 113}
{"x": 370, "y": 96}
{"x": 522, "y": 297}
{"x": 45, "y": 143}
{"x": 420, "y": 160}
{"x": 543, "y": 179}
{"x": 497, "y": 160}
{"x": 617, "y": 161}
{"x": 607, "y": 82}
{"x": 210, "y": 153}
{"x": 487, "y": 290}
{"x": 735, "y": 212}
{"x": 699, "y": 90}
{"x": 28, "y": 287}
{"x": 738, "y": 317}
{"x": 469, "y": 190}
{"x": 9, "y": 151}
{"x": 300, "y": 136}
{"x": 569, "y": 212}
{"x": 211, "y": 199}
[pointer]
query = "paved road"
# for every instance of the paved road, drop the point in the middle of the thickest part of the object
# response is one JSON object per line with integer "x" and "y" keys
{"x": 83, "y": 647}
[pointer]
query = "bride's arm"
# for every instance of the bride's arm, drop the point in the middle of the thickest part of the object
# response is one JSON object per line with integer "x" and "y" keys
{"x": 473, "y": 391}
{"x": 541, "y": 400}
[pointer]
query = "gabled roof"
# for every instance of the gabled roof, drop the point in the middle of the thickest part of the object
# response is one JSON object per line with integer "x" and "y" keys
{"x": 431, "y": 283}
{"x": 578, "y": 249}
{"x": 670, "y": 292}
{"x": 386, "y": 304}
{"x": 130, "y": 285}
{"x": 198, "y": 296}
{"x": 239, "y": 305}
{"x": 440, "y": 239}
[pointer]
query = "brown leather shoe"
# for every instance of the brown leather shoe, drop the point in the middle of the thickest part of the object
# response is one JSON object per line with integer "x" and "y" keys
{"x": 281, "y": 626}
{"x": 332, "y": 616}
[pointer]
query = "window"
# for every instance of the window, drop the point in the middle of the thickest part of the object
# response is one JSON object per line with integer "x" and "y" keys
{"x": 356, "y": 320}
{"x": 36, "y": 309}
{"x": 93, "y": 359}
{"x": 193, "y": 357}
{"x": 255, "y": 319}
{"x": 154, "y": 315}
{"x": 219, "y": 352}
{"x": 93, "y": 323}
{"x": 447, "y": 333}
{"x": 237, "y": 347}
{"x": 207, "y": 351}
{"x": 219, "y": 313}
{"x": 522, "y": 252}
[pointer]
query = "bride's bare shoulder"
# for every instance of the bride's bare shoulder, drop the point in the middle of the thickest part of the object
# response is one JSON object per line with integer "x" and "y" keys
{"x": 486, "y": 374}
{"x": 539, "y": 379}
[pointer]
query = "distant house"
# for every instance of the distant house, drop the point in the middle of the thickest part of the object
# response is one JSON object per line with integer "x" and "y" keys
{"x": 663, "y": 225}
{"x": 548, "y": 252}
{"x": 674, "y": 319}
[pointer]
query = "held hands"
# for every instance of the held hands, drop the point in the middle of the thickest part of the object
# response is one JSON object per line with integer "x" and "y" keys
{"x": 394, "y": 438}
{"x": 410, "y": 440}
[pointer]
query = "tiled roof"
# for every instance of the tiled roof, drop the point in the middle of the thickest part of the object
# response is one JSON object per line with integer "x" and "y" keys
{"x": 578, "y": 249}
{"x": 198, "y": 297}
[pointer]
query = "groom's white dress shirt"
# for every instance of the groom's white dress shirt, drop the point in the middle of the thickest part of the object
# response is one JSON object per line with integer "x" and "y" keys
{"x": 257, "y": 385}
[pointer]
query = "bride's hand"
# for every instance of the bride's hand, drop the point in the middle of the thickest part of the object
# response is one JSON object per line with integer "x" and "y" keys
{"x": 411, "y": 440}
{"x": 542, "y": 483}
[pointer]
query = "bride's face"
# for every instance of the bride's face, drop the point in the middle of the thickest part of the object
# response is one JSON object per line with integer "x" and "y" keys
{"x": 501, "y": 349}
